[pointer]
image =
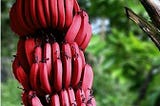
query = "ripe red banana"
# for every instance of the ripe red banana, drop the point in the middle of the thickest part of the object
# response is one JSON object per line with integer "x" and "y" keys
{"x": 40, "y": 13}
{"x": 71, "y": 96}
{"x": 29, "y": 49}
{"x": 13, "y": 23}
{"x": 34, "y": 74}
{"x": 61, "y": 14}
{"x": 48, "y": 56}
{"x": 90, "y": 100}
{"x": 64, "y": 99}
{"x": 33, "y": 99}
{"x": 44, "y": 77}
{"x": 83, "y": 29}
{"x": 83, "y": 58}
{"x": 87, "y": 37}
{"x": 33, "y": 11}
{"x": 15, "y": 65}
{"x": 68, "y": 13}
{"x": 47, "y": 12}
{"x": 27, "y": 15}
{"x": 20, "y": 17}
{"x": 25, "y": 100}
{"x": 77, "y": 64}
{"x": 57, "y": 65}
{"x": 55, "y": 100}
{"x": 55, "y": 52}
{"x": 87, "y": 77}
{"x": 36, "y": 101}
{"x": 38, "y": 53}
{"x": 22, "y": 78}
{"x": 74, "y": 28}
{"x": 57, "y": 79}
{"x": 67, "y": 64}
{"x": 54, "y": 12}
{"x": 80, "y": 97}
{"x": 21, "y": 54}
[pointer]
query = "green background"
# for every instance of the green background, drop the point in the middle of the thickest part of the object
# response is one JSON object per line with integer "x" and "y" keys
{"x": 125, "y": 61}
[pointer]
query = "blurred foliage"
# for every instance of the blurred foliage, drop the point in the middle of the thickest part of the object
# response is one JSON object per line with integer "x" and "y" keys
{"x": 121, "y": 63}
{"x": 11, "y": 95}
{"x": 121, "y": 59}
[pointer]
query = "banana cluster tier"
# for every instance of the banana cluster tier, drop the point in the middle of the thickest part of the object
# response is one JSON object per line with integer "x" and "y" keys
{"x": 49, "y": 62}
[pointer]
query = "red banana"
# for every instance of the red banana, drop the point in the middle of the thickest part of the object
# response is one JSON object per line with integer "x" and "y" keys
{"x": 40, "y": 13}
{"x": 29, "y": 49}
{"x": 90, "y": 100}
{"x": 25, "y": 100}
{"x": 71, "y": 95}
{"x": 22, "y": 78}
{"x": 36, "y": 101}
{"x": 33, "y": 99}
{"x": 21, "y": 54}
{"x": 32, "y": 10}
{"x": 27, "y": 15}
{"x": 80, "y": 97}
{"x": 67, "y": 64}
{"x": 83, "y": 58}
{"x": 77, "y": 64}
{"x": 44, "y": 79}
{"x": 34, "y": 74}
{"x": 61, "y": 14}
{"x": 55, "y": 100}
{"x": 74, "y": 28}
{"x": 20, "y": 17}
{"x": 54, "y": 12}
{"x": 68, "y": 13}
{"x": 57, "y": 66}
{"x": 87, "y": 37}
{"x": 83, "y": 29}
{"x": 15, "y": 65}
{"x": 55, "y": 52}
{"x": 64, "y": 99}
{"x": 57, "y": 79}
{"x": 87, "y": 77}
{"x": 48, "y": 56}
{"x": 47, "y": 12}
{"x": 13, "y": 23}
{"x": 38, "y": 53}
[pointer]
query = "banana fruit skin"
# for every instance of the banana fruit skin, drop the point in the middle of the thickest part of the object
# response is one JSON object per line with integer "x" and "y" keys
{"x": 71, "y": 96}
{"x": 44, "y": 79}
{"x": 77, "y": 64}
{"x": 22, "y": 78}
{"x": 67, "y": 64}
{"x": 87, "y": 81}
{"x": 61, "y": 14}
{"x": 34, "y": 73}
{"x": 80, "y": 97}
{"x": 29, "y": 49}
{"x": 21, "y": 55}
{"x": 74, "y": 28}
{"x": 50, "y": 62}
{"x": 64, "y": 100}
{"x": 55, "y": 100}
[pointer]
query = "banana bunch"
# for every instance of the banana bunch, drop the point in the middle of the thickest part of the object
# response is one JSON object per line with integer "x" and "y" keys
{"x": 66, "y": 97}
{"x": 63, "y": 18}
{"x": 50, "y": 63}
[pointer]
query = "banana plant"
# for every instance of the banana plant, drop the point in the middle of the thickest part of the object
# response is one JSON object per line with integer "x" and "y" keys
{"x": 152, "y": 29}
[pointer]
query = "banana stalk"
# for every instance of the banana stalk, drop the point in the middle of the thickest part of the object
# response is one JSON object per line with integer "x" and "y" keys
{"x": 152, "y": 31}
